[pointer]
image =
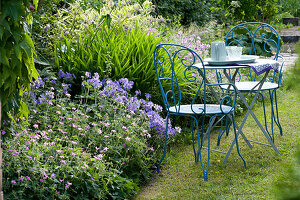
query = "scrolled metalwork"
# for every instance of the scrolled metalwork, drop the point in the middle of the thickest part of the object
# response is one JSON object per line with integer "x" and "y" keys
{"x": 174, "y": 64}
{"x": 181, "y": 58}
{"x": 255, "y": 30}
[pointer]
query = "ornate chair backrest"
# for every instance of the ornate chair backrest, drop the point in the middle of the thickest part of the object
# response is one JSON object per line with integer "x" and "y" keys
{"x": 175, "y": 70}
{"x": 257, "y": 39}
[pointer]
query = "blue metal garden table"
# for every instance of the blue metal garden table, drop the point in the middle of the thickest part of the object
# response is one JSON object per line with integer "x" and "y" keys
{"x": 260, "y": 66}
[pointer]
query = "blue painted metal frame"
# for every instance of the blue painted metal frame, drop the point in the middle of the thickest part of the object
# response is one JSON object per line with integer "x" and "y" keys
{"x": 266, "y": 39}
{"x": 167, "y": 59}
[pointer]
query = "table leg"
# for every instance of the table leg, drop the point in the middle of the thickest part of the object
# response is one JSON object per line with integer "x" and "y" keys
{"x": 260, "y": 84}
{"x": 232, "y": 80}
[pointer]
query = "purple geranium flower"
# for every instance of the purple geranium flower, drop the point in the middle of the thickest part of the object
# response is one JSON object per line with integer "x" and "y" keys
{"x": 61, "y": 73}
{"x": 68, "y": 76}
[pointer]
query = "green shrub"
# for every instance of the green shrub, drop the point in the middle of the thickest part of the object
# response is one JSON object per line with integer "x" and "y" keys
{"x": 287, "y": 185}
{"x": 187, "y": 11}
{"x": 229, "y": 11}
{"x": 17, "y": 68}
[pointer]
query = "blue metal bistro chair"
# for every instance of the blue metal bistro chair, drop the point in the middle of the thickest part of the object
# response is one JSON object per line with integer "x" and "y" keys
{"x": 176, "y": 71}
{"x": 258, "y": 39}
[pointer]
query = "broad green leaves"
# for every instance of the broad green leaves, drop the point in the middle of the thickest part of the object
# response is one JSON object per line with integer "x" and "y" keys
{"x": 16, "y": 55}
{"x": 13, "y": 10}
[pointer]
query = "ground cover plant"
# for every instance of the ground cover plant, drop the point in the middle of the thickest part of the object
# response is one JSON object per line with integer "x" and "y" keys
{"x": 103, "y": 146}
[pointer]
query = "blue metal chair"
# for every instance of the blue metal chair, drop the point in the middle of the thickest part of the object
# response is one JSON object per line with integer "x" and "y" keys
{"x": 176, "y": 71}
{"x": 258, "y": 39}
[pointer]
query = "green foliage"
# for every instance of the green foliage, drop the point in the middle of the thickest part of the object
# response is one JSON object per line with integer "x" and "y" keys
{"x": 229, "y": 11}
{"x": 16, "y": 51}
{"x": 277, "y": 22}
{"x": 112, "y": 52}
{"x": 287, "y": 186}
{"x": 187, "y": 11}
{"x": 71, "y": 19}
{"x": 290, "y": 6}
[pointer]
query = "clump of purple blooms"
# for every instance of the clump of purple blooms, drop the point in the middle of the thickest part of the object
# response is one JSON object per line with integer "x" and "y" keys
{"x": 107, "y": 127}
{"x": 194, "y": 42}
{"x": 118, "y": 92}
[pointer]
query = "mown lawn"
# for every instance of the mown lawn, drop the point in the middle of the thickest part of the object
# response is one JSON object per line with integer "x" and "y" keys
{"x": 182, "y": 178}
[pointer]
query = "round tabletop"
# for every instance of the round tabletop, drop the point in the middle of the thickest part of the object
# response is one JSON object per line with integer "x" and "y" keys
{"x": 258, "y": 63}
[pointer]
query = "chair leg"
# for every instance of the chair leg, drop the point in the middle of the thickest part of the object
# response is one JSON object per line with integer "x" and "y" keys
{"x": 221, "y": 132}
{"x": 265, "y": 116}
{"x": 193, "y": 138}
{"x": 277, "y": 115}
{"x": 200, "y": 144}
{"x": 165, "y": 146}
{"x": 228, "y": 125}
{"x": 208, "y": 148}
{"x": 236, "y": 140}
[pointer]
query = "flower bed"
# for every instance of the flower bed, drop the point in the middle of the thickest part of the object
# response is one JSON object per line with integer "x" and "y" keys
{"x": 101, "y": 144}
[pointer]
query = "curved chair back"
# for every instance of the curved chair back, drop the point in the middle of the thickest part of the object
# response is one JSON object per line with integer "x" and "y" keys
{"x": 176, "y": 70}
{"x": 257, "y": 39}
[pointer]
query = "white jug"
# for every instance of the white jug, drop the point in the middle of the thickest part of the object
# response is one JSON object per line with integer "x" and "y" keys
{"x": 218, "y": 51}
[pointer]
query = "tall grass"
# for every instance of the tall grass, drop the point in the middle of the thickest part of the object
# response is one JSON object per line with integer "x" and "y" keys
{"x": 112, "y": 52}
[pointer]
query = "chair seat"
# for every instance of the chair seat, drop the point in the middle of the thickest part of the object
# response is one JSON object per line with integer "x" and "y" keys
{"x": 248, "y": 85}
{"x": 211, "y": 109}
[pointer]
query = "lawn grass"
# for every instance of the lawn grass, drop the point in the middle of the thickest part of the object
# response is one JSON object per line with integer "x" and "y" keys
{"x": 182, "y": 178}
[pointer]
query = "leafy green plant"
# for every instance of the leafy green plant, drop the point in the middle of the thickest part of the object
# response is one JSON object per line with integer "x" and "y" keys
{"x": 70, "y": 18}
{"x": 287, "y": 185}
{"x": 229, "y": 11}
{"x": 16, "y": 54}
{"x": 112, "y": 52}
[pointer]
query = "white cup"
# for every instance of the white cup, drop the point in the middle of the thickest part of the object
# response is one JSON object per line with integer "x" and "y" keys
{"x": 234, "y": 52}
